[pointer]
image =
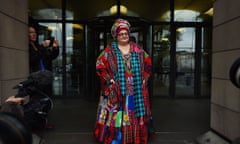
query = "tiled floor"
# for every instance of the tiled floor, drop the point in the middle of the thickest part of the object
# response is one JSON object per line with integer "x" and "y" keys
{"x": 177, "y": 121}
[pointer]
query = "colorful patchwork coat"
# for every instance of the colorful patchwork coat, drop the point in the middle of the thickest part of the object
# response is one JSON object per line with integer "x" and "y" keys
{"x": 116, "y": 121}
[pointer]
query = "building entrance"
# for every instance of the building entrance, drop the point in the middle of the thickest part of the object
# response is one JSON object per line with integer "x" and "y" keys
{"x": 180, "y": 53}
{"x": 176, "y": 69}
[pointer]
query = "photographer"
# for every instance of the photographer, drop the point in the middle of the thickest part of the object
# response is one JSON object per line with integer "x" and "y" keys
{"x": 31, "y": 104}
{"x": 41, "y": 56}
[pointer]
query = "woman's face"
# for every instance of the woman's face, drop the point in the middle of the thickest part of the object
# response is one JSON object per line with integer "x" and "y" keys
{"x": 123, "y": 36}
{"x": 32, "y": 34}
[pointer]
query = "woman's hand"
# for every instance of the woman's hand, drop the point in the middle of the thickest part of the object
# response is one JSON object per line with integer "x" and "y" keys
{"x": 112, "y": 81}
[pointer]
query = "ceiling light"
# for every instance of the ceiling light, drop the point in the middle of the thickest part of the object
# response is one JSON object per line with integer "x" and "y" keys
{"x": 164, "y": 39}
{"x": 69, "y": 38}
{"x": 113, "y": 9}
{"x": 77, "y": 26}
{"x": 209, "y": 12}
{"x": 180, "y": 30}
{"x": 52, "y": 28}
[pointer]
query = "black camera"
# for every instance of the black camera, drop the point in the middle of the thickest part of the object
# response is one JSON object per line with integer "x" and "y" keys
{"x": 36, "y": 87}
{"x": 37, "y": 83}
{"x": 51, "y": 41}
{"x": 17, "y": 122}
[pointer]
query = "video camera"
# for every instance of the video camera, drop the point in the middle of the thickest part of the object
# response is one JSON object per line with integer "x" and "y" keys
{"x": 37, "y": 83}
{"x": 36, "y": 87}
{"x": 18, "y": 121}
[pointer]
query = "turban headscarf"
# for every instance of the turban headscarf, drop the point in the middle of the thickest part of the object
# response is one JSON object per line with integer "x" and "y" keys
{"x": 118, "y": 25}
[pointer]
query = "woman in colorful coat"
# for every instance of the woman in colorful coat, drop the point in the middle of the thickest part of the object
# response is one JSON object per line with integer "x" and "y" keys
{"x": 123, "y": 114}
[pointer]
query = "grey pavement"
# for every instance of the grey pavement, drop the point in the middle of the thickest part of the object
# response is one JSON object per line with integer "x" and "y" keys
{"x": 176, "y": 121}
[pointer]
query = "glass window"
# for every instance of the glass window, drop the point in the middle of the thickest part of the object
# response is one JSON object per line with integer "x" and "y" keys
{"x": 206, "y": 62}
{"x": 46, "y": 31}
{"x": 45, "y": 9}
{"x": 185, "y": 61}
{"x": 75, "y": 59}
{"x": 187, "y": 15}
{"x": 161, "y": 60}
{"x": 192, "y": 11}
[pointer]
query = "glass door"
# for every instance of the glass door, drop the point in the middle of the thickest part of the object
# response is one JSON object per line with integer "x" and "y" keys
{"x": 181, "y": 61}
{"x": 185, "y": 61}
{"x": 161, "y": 60}
{"x": 75, "y": 60}
{"x": 193, "y": 62}
{"x": 69, "y": 67}
{"x": 46, "y": 31}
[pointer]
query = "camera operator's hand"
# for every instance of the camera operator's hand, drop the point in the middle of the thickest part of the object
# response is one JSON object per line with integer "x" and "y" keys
{"x": 46, "y": 43}
{"x": 19, "y": 100}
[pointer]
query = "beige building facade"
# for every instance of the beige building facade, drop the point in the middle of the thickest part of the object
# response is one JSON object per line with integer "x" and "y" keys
{"x": 13, "y": 45}
{"x": 225, "y": 97}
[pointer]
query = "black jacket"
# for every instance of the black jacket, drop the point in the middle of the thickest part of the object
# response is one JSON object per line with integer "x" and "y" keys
{"x": 46, "y": 54}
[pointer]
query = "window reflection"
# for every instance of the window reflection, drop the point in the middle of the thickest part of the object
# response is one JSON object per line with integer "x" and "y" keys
{"x": 161, "y": 60}
{"x": 48, "y": 30}
{"x": 183, "y": 15}
{"x": 185, "y": 62}
{"x": 54, "y": 14}
{"x": 187, "y": 15}
{"x": 74, "y": 59}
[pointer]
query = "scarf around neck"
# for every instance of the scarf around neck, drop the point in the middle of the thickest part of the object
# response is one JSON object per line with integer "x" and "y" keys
{"x": 139, "y": 109}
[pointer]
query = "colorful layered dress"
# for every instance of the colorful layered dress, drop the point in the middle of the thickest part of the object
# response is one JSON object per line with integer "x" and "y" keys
{"x": 123, "y": 113}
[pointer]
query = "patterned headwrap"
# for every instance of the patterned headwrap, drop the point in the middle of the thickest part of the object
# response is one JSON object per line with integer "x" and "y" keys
{"x": 118, "y": 25}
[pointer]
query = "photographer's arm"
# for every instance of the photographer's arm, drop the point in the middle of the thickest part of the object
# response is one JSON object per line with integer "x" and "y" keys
{"x": 18, "y": 100}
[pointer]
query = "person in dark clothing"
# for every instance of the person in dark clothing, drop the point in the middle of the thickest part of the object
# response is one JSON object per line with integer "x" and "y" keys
{"x": 41, "y": 56}
{"x": 30, "y": 105}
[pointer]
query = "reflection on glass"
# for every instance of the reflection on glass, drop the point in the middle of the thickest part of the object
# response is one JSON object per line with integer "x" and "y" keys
{"x": 192, "y": 11}
{"x": 48, "y": 30}
{"x": 74, "y": 59}
{"x": 187, "y": 15}
{"x": 161, "y": 60}
{"x": 206, "y": 62}
{"x": 183, "y": 15}
{"x": 45, "y": 9}
{"x": 185, "y": 61}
